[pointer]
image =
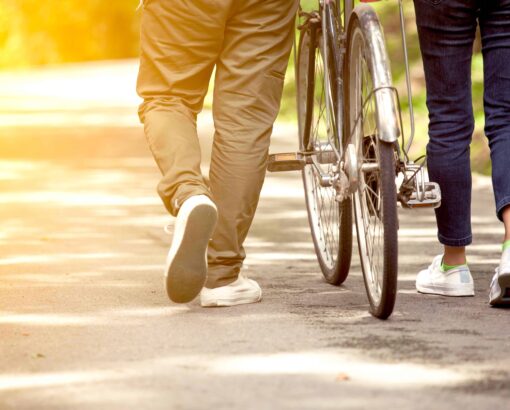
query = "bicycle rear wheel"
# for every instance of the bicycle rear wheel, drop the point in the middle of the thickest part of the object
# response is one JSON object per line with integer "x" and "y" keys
{"x": 375, "y": 200}
{"x": 319, "y": 105}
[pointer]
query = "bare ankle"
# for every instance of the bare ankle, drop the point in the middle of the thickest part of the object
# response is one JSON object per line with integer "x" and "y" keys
{"x": 454, "y": 255}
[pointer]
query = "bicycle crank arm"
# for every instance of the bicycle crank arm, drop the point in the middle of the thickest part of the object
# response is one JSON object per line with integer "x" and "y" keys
{"x": 288, "y": 161}
{"x": 296, "y": 161}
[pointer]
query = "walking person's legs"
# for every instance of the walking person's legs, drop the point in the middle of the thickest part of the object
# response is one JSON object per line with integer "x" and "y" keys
{"x": 250, "y": 42}
{"x": 248, "y": 88}
{"x": 446, "y": 32}
{"x": 495, "y": 31}
{"x": 180, "y": 42}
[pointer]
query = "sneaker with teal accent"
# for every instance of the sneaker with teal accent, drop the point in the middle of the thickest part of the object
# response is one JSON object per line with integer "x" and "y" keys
{"x": 454, "y": 282}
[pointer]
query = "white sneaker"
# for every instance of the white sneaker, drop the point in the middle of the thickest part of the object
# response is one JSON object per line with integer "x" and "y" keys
{"x": 455, "y": 282}
{"x": 186, "y": 263}
{"x": 499, "y": 293}
{"x": 240, "y": 292}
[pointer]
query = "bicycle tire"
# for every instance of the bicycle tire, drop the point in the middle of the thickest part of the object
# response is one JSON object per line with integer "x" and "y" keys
{"x": 375, "y": 200}
{"x": 334, "y": 258}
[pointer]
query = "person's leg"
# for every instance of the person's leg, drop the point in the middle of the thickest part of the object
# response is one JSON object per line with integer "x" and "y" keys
{"x": 446, "y": 32}
{"x": 180, "y": 42}
{"x": 495, "y": 30}
{"x": 248, "y": 88}
{"x": 505, "y": 214}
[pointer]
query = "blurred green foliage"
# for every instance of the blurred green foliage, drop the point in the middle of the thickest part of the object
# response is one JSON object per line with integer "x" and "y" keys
{"x": 56, "y": 31}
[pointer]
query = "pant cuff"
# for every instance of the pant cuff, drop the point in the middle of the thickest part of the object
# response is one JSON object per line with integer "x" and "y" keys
{"x": 455, "y": 242}
{"x": 172, "y": 204}
{"x": 221, "y": 276}
{"x": 500, "y": 206}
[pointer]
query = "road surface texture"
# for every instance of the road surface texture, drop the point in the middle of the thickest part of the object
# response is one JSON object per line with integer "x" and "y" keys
{"x": 85, "y": 322}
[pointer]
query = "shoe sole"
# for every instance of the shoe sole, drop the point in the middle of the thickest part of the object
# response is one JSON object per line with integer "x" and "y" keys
{"x": 241, "y": 300}
{"x": 503, "y": 299}
{"x": 187, "y": 271}
{"x": 446, "y": 291}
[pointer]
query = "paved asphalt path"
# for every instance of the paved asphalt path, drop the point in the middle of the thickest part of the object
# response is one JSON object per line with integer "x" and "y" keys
{"x": 85, "y": 322}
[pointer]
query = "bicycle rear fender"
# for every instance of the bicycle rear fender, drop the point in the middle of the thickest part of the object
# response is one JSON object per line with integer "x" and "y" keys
{"x": 379, "y": 66}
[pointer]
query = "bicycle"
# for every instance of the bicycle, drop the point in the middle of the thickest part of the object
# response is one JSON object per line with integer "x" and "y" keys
{"x": 350, "y": 123}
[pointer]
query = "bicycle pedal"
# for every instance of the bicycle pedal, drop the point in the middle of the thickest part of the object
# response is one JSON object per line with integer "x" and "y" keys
{"x": 428, "y": 197}
{"x": 288, "y": 161}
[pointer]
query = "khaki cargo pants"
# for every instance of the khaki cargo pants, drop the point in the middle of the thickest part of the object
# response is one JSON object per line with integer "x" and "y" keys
{"x": 248, "y": 41}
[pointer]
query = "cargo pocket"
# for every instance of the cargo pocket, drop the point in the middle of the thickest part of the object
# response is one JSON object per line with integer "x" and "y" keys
{"x": 271, "y": 94}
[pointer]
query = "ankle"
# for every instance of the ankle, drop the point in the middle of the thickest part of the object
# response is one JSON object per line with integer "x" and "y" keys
{"x": 454, "y": 261}
{"x": 454, "y": 256}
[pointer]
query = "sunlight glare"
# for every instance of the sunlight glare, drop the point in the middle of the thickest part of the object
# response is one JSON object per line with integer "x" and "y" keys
{"x": 330, "y": 364}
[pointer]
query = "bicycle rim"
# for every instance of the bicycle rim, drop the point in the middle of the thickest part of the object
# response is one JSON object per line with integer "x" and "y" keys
{"x": 375, "y": 206}
{"x": 330, "y": 222}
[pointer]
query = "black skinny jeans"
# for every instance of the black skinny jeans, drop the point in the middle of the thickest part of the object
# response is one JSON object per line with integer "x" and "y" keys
{"x": 446, "y": 31}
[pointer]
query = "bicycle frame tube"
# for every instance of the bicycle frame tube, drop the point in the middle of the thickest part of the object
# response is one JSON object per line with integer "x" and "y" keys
{"x": 327, "y": 85}
{"x": 328, "y": 38}
{"x": 294, "y": 52}
{"x": 348, "y": 7}
{"x": 408, "y": 77}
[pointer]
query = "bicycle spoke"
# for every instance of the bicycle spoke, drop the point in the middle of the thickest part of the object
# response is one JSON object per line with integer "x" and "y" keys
{"x": 331, "y": 228}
